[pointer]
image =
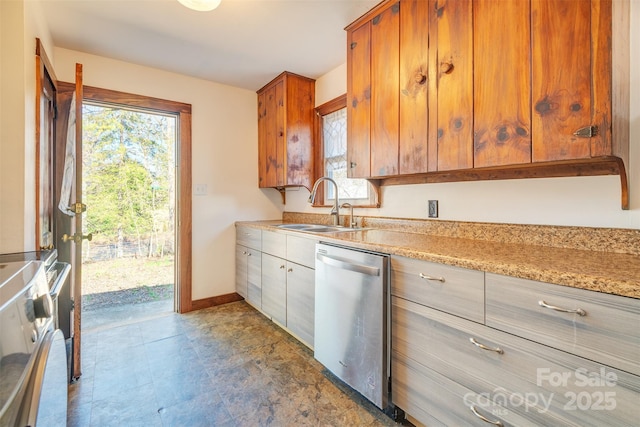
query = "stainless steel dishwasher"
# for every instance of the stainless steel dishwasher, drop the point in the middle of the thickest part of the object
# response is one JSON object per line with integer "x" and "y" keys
{"x": 351, "y": 318}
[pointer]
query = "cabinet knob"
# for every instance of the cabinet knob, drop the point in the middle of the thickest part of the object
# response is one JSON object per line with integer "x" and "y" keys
{"x": 290, "y": 270}
{"x": 420, "y": 78}
{"x": 282, "y": 266}
{"x": 352, "y": 165}
{"x": 446, "y": 67}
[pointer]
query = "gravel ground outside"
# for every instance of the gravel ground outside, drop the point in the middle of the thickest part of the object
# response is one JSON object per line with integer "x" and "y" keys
{"x": 126, "y": 281}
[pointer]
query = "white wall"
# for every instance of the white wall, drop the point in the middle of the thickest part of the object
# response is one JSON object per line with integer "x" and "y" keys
{"x": 580, "y": 201}
{"x": 225, "y": 157}
{"x": 20, "y": 23}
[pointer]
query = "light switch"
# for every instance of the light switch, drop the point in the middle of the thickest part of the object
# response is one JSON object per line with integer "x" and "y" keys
{"x": 200, "y": 190}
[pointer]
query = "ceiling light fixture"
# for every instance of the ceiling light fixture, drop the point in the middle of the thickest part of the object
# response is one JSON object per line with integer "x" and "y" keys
{"x": 201, "y": 5}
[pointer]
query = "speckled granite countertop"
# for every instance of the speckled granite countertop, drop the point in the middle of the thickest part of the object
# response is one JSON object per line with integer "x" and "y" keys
{"x": 602, "y": 271}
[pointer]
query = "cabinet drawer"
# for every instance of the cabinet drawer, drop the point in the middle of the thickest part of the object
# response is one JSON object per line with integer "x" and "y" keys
{"x": 608, "y": 332}
{"x": 562, "y": 389}
{"x": 274, "y": 243}
{"x": 461, "y": 293}
{"x": 435, "y": 400}
{"x": 249, "y": 237}
{"x": 301, "y": 250}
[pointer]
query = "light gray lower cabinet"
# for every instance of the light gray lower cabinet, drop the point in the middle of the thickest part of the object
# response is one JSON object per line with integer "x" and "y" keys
{"x": 241, "y": 270}
{"x": 249, "y": 237}
{"x": 435, "y": 400}
{"x": 301, "y": 301}
{"x": 248, "y": 275}
{"x": 597, "y": 326}
{"x": 274, "y": 288}
{"x": 524, "y": 369}
{"x": 280, "y": 279}
{"x": 248, "y": 264}
{"x": 254, "y": 278}
{"x": 458, "y": 291}
{"x": 288, "y": 296}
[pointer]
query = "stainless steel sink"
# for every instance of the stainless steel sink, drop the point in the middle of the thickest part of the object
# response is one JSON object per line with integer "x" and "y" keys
{"x": 298, "y": 226}
{"x": 318, "y": 228}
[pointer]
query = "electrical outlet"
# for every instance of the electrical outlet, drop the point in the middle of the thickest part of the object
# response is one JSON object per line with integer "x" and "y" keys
{"x": 200, "y": 190}
{"x": 433, "y": 209}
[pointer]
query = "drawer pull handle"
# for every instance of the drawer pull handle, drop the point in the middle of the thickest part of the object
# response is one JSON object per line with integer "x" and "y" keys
{"x": 484, "y": 347}
{"x": 483, "y": 418}
{"x": 426, "y": 277}
{"x": 577, "y": 311}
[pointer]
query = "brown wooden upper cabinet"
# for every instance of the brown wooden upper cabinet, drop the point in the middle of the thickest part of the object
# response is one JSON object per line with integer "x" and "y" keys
{"x": 285, "y": 132}
{"x": 452, "y": 90}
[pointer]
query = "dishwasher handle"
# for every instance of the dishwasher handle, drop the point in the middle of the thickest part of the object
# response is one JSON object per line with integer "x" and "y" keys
{"x": 346, "y": 264}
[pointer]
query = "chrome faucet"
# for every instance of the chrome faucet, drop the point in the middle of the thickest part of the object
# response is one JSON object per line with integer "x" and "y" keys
{"x": 335, "y": 211}
{"x": 352, "y": 222}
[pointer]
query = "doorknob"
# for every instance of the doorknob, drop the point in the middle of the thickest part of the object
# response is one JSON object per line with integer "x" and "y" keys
{"x": 78, "y": 237}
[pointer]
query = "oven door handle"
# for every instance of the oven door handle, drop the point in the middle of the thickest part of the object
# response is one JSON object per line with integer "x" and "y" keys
{"x": 346, "y": 264}
{"x": 62, "y": 277}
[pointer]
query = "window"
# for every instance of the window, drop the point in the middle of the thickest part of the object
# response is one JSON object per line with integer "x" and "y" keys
{"x": 331, "y": 131}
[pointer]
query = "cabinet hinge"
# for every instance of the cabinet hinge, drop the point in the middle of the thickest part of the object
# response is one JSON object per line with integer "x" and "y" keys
{"x": 586, "y": 132}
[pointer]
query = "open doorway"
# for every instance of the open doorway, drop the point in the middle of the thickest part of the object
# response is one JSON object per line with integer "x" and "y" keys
{"x": 129, "y": 183}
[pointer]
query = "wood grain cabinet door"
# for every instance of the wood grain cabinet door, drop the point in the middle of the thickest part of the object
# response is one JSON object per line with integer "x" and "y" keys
{"x": 285, "y": 127}
{"x": 268, "y": 143}
{"x": 359, "y": 101}
{"x": 385, "y": 69}
{"x": 454, "y": 69}
{"x": 262, "y": 138}
{"x": 502, "y": 82}
{"x": 415, "y": 87}
{"x": 561, "y": 60}
{"x": 297, "y": 122}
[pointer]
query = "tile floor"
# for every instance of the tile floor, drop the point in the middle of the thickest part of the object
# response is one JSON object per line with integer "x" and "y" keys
{"x": 223, "y": 366}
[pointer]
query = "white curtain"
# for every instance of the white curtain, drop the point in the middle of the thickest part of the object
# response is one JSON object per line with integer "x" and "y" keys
{"x": 69, "y": 161}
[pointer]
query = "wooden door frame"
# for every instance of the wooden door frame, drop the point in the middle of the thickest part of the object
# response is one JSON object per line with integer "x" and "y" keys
{"x": 182, "y": 112}
{"x": 45, "y": 80}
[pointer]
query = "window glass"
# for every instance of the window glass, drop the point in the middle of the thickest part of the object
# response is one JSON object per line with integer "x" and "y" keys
{"x": 334, "y": 152}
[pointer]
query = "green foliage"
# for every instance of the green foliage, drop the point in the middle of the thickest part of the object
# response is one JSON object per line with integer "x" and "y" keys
{"x": 128, "y": 172}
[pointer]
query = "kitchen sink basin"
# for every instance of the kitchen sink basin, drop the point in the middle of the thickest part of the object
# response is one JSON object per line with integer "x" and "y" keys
{"x": 317, "y": 228}
{"x": 299, "y": 226}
